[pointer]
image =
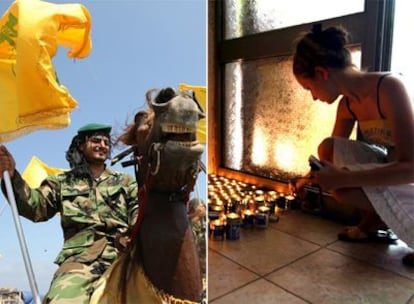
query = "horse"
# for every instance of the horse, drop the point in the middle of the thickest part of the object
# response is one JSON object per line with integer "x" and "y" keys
{"x": 161, "y": 263}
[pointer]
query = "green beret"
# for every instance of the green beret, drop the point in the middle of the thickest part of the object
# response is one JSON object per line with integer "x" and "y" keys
{"x": 95, "y": 127}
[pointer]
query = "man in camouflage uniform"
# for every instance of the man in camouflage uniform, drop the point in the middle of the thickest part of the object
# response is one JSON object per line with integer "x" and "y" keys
{"x": 96, "y": 204}
{"x": 197, "y": 217}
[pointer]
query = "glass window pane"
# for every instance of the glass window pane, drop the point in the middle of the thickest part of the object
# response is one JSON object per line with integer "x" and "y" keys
{"x": 245, "y": 17}
{"x": 401, "y": 61}
{"x": 271, "y": 124}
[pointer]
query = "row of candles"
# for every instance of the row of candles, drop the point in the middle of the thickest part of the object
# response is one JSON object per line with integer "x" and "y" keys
{"x": 233, "y": 204}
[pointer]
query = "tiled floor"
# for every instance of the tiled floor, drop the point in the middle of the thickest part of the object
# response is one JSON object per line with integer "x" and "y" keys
{"x": 299, "y": 260}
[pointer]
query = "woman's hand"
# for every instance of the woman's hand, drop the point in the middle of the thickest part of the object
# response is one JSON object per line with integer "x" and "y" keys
{"x": 7, "y": 162}
{"x": 297, "y": 186}
{"x": 329, "y": 177}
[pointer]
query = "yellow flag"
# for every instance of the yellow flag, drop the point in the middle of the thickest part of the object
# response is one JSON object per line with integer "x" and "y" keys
{"x": 36, "y": 171}
{"x": 31, "y": 96}
{"x": 200, "y": 92}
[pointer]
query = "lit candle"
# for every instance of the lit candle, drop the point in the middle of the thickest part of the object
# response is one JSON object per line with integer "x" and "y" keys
{"x": 263, "y": 209}
{"x": 211, "y": 188}
{"x": 261, "y": 219}
{"x": 217, "y": 230}
{"x": 233, "y": 226}
{"x": 252, "y": 204}
{"x": 292, "y": 202}
{"x": 271, "y": 195}
{"x": 248, "y": 217}
{"x": 259, "y": 200}
{"x": 215, "y": 211}
{"x": 259, "y": 192}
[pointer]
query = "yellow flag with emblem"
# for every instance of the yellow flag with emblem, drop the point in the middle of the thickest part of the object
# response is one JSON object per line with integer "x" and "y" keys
{"x": 31, "y": 96}
{"x": 200, "y": 92}
{"x": 36, "y": 171}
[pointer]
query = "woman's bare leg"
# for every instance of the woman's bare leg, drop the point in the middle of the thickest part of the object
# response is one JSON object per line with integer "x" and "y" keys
{"x": 357, "y": 198}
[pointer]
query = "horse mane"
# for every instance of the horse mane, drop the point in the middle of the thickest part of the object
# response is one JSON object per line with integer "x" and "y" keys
{"x": 137, "y": 132}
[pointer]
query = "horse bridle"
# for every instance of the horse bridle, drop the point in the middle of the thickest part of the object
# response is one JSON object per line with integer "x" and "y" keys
{"x": 177, "y": 196}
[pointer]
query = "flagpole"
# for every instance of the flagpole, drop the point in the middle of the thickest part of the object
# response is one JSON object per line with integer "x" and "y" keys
{"x": 20, "y": 235}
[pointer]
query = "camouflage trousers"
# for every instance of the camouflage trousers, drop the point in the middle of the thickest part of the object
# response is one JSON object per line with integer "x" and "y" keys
{"x": 199, "y": 232}
{"x": 74, "y": 282}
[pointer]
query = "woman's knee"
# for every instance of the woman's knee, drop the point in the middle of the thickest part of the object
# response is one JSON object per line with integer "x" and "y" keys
{"x": 326, "y": 149}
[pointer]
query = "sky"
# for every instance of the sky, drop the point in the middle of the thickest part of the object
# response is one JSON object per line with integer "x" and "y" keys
{"x": 137, "y": 45}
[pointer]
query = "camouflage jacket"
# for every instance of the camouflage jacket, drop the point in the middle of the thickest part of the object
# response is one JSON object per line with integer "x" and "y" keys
{"x": 91, "y": 217}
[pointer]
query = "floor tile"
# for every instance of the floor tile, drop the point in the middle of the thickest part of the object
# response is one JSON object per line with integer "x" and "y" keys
{"x": 382, "y": 255}
{"x": 310, "y": 227}
{"x": 260, "y": 291}
{"x": 300, "y": 260}
{"x": 225, "y": 275}
{"x": 264, "y": 250}
{"x": 329, "y": 277}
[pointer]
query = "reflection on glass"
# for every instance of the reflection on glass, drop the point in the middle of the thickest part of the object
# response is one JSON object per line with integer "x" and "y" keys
{"x": 255, "y": 16}
{"x": 271, "y": 124}
{"x": 233, "y": 130}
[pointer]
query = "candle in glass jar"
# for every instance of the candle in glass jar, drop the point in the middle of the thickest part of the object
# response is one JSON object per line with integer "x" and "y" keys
{"x": 260, "y": 201}
{"x": 271, "y": 197}
{"x": 215, "y": 212}
{"x": 261, "y": 219}
{"x": 292, "y": 202}
{"x": 217, "y": 230}
{"x": 263, "y": 209}
{"x": 248, "y": 217}
{"x": 233, "y": 226}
